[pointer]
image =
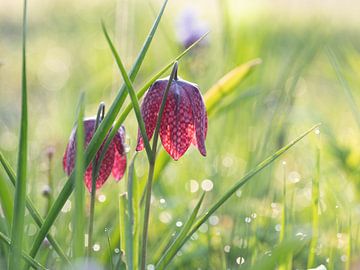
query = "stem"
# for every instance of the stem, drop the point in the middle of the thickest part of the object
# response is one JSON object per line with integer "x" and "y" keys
{"x": 94, "y": 173}
{"x": 152, "y": 168}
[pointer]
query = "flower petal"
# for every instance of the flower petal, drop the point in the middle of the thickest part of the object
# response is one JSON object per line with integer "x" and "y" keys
{"x": 199, "y": 115}
{"x": 119, "y": 166}
{"x": 177, "y": 124}
{"x": 150, "y": 110}
{"x": 120, "y": 155}
{"x": 105, "y": 167}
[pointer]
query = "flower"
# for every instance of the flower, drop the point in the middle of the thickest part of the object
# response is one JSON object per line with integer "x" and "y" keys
{"x": 114, "y": 159}
{"x": 184, "y": 120}
{"x": 189, "y": 27}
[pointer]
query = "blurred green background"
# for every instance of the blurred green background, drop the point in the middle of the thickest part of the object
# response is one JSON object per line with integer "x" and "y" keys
{"x": 294, "y": 88}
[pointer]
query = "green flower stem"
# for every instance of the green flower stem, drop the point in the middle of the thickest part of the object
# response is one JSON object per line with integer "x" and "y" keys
{"x": 152, "y": 168}
{"x": 94, "y": 173}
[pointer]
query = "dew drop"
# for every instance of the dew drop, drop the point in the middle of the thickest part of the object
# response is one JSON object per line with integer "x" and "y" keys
{"x": 117, "y": 251}
{"x": 194, "y": 186}
{"x": 150, "y": 267}
{"x": 178, "y": 224}
{"x": 96, "y": 247}
{"x": 101, "y": 198}
{"x": 214, "y": 220}
{"x": 247, "y": 219}
{"x": 207, "y": 185}
{"x": 227, "y": 248}
{"x": 240, "y": 260}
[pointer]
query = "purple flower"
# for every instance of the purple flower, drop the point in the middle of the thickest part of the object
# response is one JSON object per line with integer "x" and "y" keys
{"x": 189, "y": 27}
{"x": 184, "y": 120}
{"x": 114, "y": 160}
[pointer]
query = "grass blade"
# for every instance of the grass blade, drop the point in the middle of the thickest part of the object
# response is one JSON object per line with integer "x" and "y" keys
{"x": 32, "y": 210}
{"x": 131, "y": 91}
{"x": 227, "y": 84}
{"x": 25, "y": 256}
{"x": 262, "y": 165}
{"x": 96, "y": 140}
{"x": 170, "y": 253}
{"x": 17, "y": 228}
{"x": 79, "y": 190}
{"x": 6, "y": 201}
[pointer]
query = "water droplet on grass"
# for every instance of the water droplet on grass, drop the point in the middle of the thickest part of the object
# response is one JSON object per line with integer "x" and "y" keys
{"x": 227, "y": 248}
{"x": 214, "y": 220}
{"x": 194, "y": 186}
{"x": 96, "y": 247}
{"x": 240, "y": 260}
{"x": 101, "y": 198}
{"x": 247, "y": 219}
{"x": 178, "y": 224}
{"x": 207, "y": 185}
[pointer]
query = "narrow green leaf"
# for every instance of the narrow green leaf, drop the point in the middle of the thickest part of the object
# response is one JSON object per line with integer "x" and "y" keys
{"x": 170, "y": 253}
{"x": 131, "y": 91}
{"x": 17, "y": 228}
{"x": 79, "y": 191}
{"x": 6, "y": 200}
{"x": 96, "y": 140}
{"x": 262, "y": 165}
{"x": 25, "y": 256}
{"x": 32, "y": 210}
{"x": 227, "y": 84}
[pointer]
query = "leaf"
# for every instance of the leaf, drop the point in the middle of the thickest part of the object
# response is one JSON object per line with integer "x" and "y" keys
{"x": 170, "y": 253}
{"x": 79, "y": 191}
{"x": 17, "y": 228}
{"x": 227, "y": 84}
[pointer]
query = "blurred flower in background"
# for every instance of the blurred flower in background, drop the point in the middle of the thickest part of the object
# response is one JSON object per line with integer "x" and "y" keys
{"x": 190, "y": 27}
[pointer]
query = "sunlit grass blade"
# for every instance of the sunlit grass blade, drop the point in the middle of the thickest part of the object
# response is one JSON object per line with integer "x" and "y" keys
{"x": 262, "y": 165}
{"x": 96, "y": 140}
{"x": 227, "y": 84}
{"x": 79, "y": 190}
{"x": 17, "y": 228}
{"x": 25, "y": 256}
{"x": 170, "y": 253}
{"x": 315, "y": 196}
{"x": 131, "y": 252}
{"x": 131, "y": 91}
{"x": 344, "y": 84}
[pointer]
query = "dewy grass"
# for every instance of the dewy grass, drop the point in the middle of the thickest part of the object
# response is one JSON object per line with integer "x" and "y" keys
{"x": 17, "y": 229}
{"x": 315, "y": 196}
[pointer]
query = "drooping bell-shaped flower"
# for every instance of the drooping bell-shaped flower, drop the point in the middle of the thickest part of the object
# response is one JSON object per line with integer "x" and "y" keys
{"x": 184, "y": 120}
{"x": 114, "y": 159}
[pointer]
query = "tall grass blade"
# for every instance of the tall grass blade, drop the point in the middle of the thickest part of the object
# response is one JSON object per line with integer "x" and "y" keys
{"x": 31, "y": 261}
{"x": 131, "y": 91}
{"x": 170, "y": 253}
{"x": 17, "y": 228}
{"x": 79, "y": 190}
{"x": 96, "y": 140}
{"x": 32, "y": 210}
{"x": 6, "y": 200}
{"x": 315, "y": 196}
{"x": 262, "y": 165}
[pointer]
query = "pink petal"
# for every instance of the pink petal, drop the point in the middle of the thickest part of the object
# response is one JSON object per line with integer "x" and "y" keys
{"x": 105, "y": 168}
{"x": 150, "y": 109}
{"x": 177, "y": 127}
{"x": 65, "y": 157}
{"x": 199, "y": 115}
{"x": 119, "y": 166}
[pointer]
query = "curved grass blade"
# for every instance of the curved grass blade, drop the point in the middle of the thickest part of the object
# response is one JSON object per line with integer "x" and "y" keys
{"x": 132, "y": 93}
{"x": 227, "y": 84}
{"x": 32, "y": 210}
{"x": 262, "y": 165}
{"x": 96, "y": 140}
{"x": 25, "y": 256}
{"x": 17, "y": 228}
{"x": 170, "y": 253}
{"x": 79, "y": 190}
